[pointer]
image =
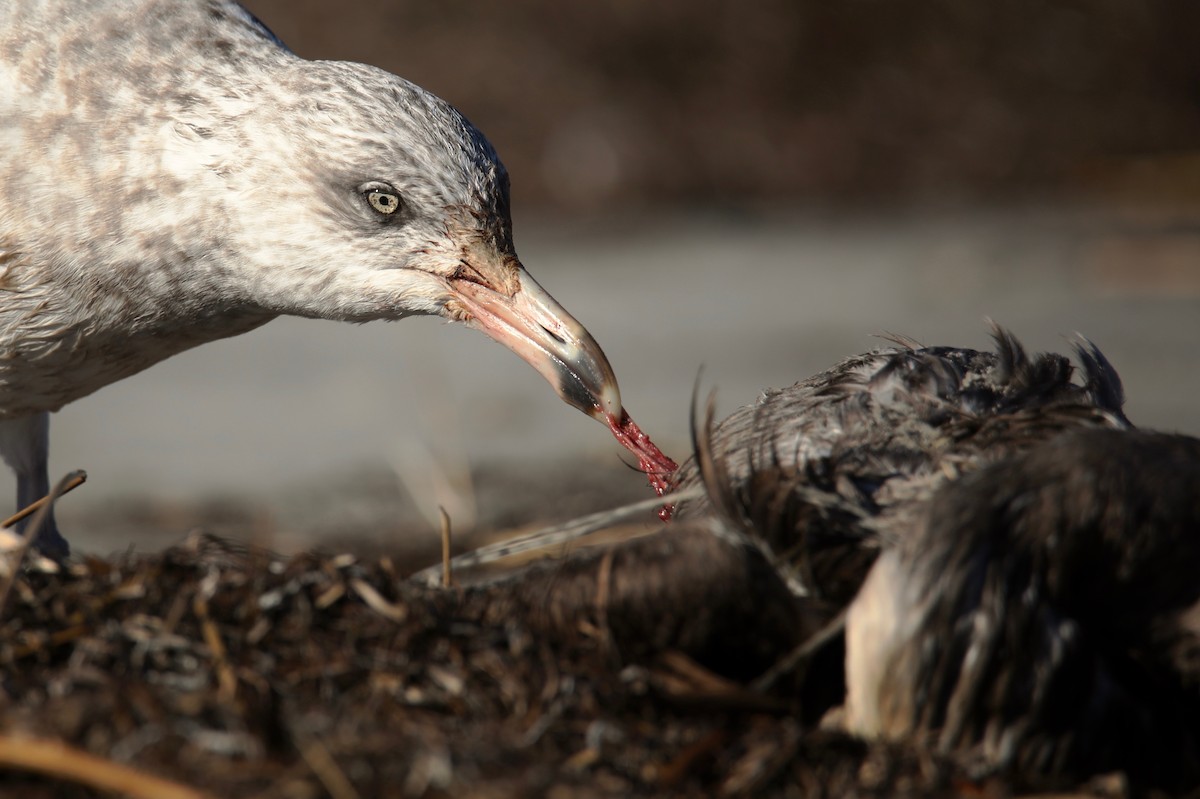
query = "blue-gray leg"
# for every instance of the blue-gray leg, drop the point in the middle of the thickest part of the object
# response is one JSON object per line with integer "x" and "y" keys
{"x": 25, "y": 446}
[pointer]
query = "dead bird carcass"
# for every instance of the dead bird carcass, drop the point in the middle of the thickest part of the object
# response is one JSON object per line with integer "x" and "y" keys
{"x": 1031, "y": 604}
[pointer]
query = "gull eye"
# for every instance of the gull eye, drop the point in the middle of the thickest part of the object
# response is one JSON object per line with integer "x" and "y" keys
{"x": 383, "y": 199}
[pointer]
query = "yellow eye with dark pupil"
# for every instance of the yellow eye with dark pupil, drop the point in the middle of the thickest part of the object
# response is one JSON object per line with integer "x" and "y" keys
{"x": 384, "y": 202}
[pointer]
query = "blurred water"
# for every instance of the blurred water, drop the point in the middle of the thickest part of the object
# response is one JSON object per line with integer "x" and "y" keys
{"x": 758, "y": 303}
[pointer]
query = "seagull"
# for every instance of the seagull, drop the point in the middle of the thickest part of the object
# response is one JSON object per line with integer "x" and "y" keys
{"x": 172, "y": 174}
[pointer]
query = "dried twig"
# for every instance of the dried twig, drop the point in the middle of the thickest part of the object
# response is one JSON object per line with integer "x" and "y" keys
{"x": 226, "y": 680}
{"x": 805, "y": 650}
{"x": 318, "y": 758}
{"x": 603, "y": 592}
{"x": 42, "y": 509}
{"x": 447, "y": 572}
{"x": 57, "y": 760}
{"x": 73, "y": 480}
{"x": 376, "y": 602}
{"x": 554, "y": 535}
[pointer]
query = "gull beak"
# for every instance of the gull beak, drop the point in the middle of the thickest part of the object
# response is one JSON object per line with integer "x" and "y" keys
{"x": 527, "y": 320}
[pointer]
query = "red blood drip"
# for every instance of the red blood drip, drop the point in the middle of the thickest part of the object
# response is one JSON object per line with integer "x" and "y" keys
{"x": 651, "y": 460}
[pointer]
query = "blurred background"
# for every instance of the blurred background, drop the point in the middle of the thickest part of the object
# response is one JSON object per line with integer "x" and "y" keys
{"x": 755, "y": 188}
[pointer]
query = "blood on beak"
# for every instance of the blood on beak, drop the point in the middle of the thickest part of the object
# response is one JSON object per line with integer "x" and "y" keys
{"x": 533, "y": 325}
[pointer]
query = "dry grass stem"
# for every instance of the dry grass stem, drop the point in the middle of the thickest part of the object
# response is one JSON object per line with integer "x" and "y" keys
{"x": 72, "y": 481}
{"x": 447, "y": 571}
{"x": 57, "y": 760}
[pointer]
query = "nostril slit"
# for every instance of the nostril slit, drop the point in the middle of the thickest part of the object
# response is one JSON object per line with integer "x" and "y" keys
{"x": 553, "y": 335}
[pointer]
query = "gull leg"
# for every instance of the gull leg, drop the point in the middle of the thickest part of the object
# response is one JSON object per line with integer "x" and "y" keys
{"x": 25, "y": 446}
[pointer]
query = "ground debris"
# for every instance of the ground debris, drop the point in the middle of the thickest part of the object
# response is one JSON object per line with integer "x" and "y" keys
{"x": 237, "y": 672}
